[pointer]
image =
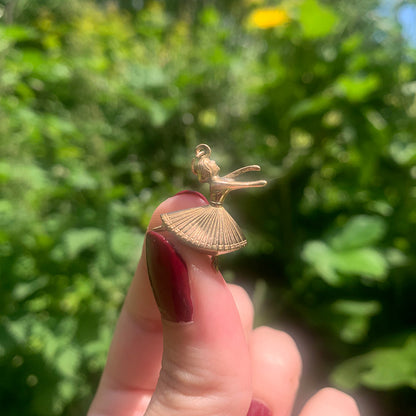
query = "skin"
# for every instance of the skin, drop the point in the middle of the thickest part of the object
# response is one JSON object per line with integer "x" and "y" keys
{"x": 213, "y": 365}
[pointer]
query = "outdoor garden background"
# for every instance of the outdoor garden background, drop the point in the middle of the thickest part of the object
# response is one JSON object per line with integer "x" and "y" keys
{"x": 101, "y": 106}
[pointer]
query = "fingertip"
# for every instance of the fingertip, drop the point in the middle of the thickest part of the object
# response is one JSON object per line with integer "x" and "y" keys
{"x": 193, "y": 194}
{"x": 334, "y": 397}
{"x": 244, "y": 306}
{"x": 329, "y": 402}
{"x": 281, "y": 348}
{"x": 276, "y": 368}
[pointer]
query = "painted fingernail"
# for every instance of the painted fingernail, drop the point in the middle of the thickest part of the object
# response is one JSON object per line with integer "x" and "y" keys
{"x": 195, "y": 193}
{"x": 169, "y": 279}
{"x": 258, "y": 409}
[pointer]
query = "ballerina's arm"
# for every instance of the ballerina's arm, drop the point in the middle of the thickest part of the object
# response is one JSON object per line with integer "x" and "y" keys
{"x": 240, "y": 171}
{"x": 232, "y": 184}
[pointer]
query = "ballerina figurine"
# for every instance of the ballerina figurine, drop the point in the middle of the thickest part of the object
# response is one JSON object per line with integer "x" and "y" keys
{"x": 210, "y": 228}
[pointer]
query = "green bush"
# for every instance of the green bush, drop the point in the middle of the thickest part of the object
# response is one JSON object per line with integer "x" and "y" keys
{"x": 100, "y": 110}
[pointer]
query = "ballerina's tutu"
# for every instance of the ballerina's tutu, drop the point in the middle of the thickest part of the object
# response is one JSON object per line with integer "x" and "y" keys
{"x": 209, "y": 228}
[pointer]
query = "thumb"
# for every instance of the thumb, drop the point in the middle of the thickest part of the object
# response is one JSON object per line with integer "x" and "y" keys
{"x": 205, "y": 364}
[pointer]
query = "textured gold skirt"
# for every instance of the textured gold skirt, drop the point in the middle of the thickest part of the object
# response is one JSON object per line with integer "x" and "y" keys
{"x": 209, "y": 228}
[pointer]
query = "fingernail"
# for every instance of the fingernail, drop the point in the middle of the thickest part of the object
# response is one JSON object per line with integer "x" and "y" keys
{"x": 169, "y": 279}
{"x": 195, "y": 193}
{"x": 258, "y": 409}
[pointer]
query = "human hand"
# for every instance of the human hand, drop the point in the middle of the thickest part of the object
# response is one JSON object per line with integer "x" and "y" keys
{"x": 197, "y": 354}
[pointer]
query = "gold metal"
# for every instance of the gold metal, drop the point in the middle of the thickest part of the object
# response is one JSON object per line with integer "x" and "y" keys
{"x": 210, "y": 228}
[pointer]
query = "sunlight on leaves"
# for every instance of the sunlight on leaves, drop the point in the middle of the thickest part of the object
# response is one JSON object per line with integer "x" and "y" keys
{"x": 316, "y": 19}
{"x": 349, "y": 251}
{"x": 356, "y": 88}
{"x": 358, "y": 231}
{"x": 380, "y": 369}
{"x": 77, "y": 240}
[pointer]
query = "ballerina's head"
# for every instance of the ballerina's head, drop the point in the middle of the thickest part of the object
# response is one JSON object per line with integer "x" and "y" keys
{"x": 202, "y": 165}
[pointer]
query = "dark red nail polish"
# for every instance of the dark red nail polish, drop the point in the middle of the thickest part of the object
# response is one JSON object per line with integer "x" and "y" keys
{"x": 258, "y": 409}
{"x": 169, "y": 279}
{"x": 186, "y": 191}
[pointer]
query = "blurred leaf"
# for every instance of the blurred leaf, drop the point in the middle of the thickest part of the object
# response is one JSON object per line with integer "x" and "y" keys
{"x": 361, "y": 261}
{"x": 17, "y": 33}
{"x": 396, "y": 257}
{"x": 352, "y": 42}
{"x": 381, "y": 369}
{"x": 403, "y": 153}
{"x": 18, "y": 329}
{"x": 316, "y": 19}
{"x": 209, "y": 17}
{"x": 358, "y": 231}
{"x": 320, "y": 256}
{"x": 97, "y": 349}
{"x": 141, "y": 76}
{"x": 67, "y": 390}
{"x": 330, "y": 265}
{"x": 355, "y": 318}
{"x": 311, "y": 105}
{"x": 80, "y": 178}
{"x": 354, "y": 307}
{"x": 125, "y": 243}
{"x": 354, "y": 329}
{"x": 68, "y": 361}
{"x": 23, "y": 290}
{"x": 357, "y": 87}
{"x": 77, "y": 240}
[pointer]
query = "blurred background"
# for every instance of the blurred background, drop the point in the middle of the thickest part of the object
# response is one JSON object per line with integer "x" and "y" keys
{"x": 101, "y": 106}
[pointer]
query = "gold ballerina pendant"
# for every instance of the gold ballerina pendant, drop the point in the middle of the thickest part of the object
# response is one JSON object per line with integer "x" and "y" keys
{"x": 210, "y": 228}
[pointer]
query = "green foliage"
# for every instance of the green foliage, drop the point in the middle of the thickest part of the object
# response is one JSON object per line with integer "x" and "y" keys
{"x": 100, "y": 111}
{"x": 349, "y": 252}
{"x": 316, "y": 19}
{"x": 381, "y": 369}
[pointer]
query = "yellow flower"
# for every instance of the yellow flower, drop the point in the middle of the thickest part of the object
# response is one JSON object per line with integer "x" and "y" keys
{"x": 268, "y": 17}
